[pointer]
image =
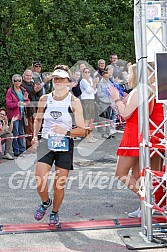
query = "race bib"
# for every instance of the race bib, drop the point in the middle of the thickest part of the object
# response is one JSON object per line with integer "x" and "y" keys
{"x": 58, "y": 143}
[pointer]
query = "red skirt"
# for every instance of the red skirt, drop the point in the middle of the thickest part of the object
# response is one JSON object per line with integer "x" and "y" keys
{"x": 129, "y": 145}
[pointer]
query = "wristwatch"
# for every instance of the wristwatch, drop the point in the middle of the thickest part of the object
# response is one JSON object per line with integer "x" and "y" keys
{"x": 68, "y": 133}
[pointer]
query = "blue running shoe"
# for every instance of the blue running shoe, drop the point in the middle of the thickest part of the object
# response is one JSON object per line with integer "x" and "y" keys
{"x": 41, "y": 211}
{"x": 54, "y": 219}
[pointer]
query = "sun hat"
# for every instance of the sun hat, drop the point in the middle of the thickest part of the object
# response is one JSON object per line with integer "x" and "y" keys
{"x": 60, "y": 73}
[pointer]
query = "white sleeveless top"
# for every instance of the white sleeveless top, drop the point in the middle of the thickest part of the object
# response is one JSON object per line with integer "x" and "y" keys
{"x": 56, "y": 112}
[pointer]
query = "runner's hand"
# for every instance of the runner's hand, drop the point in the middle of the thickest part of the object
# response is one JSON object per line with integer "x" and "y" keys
{"x": 58, "y": 130}
{"x": 34, "y": 142}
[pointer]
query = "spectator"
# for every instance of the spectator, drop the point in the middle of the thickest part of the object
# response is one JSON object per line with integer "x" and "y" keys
{"x": 75, "y": 84}
{"x": 114, "y": 62}
{"x": 118, "y": 77}
{"x": 100, "y": 69}
{"x": 6, "y": 133}
{"x": 16, "y": 101}
{"x": 105, "y": 103}
{"x": 44, "y": 82}
{"x": 125, "y": 72}
{"x": 77, "y": 75}
{"x": 82, "y": 66}
{"x": 88, "y": 89}
{"x": 110, "y": 70}
{"x": 113, "y": 59}
{"x": 32, "y": 89}
{"x": 28, "y": 84}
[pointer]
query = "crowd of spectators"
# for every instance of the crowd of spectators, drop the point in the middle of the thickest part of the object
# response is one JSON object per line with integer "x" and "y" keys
{"x": 87, "y": 83}
{"x": 91, "y": 86}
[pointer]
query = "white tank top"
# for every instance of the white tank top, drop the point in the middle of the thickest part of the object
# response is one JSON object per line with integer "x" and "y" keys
{"x": 56, "y": 112}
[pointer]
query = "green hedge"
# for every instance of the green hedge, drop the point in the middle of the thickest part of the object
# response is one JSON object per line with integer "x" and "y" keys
{"x": 62, "y": 32}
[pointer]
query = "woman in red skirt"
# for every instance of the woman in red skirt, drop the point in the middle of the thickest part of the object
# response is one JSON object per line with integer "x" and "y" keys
{"x": 128, "y": 151}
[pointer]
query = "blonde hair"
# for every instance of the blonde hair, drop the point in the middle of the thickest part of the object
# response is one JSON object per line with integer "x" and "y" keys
{"x": 133, "y": 79}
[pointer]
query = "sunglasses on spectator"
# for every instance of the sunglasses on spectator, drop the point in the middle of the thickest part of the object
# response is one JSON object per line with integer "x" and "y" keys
{"x": 17, "y": 80}
{"x": 37, "y": 65}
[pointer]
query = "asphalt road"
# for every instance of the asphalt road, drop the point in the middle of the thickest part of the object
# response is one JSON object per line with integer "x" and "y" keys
{"x": 92, "y": 193}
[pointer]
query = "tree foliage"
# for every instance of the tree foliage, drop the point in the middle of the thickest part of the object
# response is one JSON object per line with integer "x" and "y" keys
{"x": 55, "y": 31}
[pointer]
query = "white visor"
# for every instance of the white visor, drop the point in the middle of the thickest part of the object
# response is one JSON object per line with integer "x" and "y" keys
{"x": 60, "y": 73}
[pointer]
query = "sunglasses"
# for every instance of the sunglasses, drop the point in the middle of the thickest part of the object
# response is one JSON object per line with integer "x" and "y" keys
{"x": 37, "y": 66}
{"x": 17, "y": 80}
{"x": 2, "y": 114}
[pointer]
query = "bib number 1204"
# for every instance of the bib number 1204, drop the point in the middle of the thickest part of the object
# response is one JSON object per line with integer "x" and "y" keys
{"x": 56, "y": 143}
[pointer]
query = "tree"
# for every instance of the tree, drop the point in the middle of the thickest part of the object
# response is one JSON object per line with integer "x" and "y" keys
{"x": 66, "y": 31}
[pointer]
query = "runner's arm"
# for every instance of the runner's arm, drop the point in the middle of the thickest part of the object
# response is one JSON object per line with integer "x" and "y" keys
{"x": 79, "y": 119}
{"x": 39, "y": 115}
